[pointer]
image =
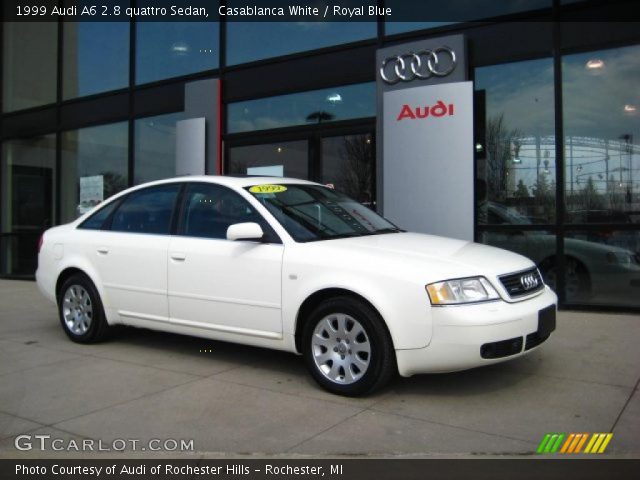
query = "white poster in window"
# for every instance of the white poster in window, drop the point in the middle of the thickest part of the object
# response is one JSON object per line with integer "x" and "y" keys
{"x": 91, "y": 192}
{"x": 270, "y": 171}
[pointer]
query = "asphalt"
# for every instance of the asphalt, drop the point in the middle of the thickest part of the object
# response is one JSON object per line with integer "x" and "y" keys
{"x": 237, "y": 400}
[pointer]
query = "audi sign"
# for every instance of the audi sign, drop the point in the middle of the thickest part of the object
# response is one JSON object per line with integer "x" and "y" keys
{"x": 439, "y": 62}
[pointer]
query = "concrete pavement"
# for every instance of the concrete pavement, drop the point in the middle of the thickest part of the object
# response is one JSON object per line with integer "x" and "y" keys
{"x": 238, "y": 400}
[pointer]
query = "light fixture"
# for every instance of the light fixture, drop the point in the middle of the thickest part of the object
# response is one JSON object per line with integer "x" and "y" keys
{"x": 180, "y": 48}
{"x": 594, "y": 64}
{"x": 334, "y": 98}
{"x": 368, "y": 140}
{"x": 628, "y": 108}
{"x": 279, "y": 149}
{"x": 479, "y": 147}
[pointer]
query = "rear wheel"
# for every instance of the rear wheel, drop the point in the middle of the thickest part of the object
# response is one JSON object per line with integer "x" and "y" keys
{"x": 347, "y": 348}
{"x": 81, "y": 313}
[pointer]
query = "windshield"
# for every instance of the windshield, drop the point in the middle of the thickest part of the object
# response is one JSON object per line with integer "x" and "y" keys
{"x": 313, "y": 212}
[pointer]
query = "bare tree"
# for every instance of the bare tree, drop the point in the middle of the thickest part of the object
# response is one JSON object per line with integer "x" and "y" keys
{"x": 357, "y": 168}
{"x": 499, "y": 139}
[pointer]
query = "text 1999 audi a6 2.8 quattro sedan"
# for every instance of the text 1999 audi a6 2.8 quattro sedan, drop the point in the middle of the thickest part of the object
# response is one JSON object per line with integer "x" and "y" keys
{"x": 296, "y": 266}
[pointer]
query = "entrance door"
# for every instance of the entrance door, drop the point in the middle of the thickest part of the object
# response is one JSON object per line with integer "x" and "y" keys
{"x": 337, "y": 155}
{"x": 26, "y": 203}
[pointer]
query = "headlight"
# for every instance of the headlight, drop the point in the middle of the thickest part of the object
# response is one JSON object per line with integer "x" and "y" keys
{"x": 461, "y": 290}
{"x": 622, "y": 258}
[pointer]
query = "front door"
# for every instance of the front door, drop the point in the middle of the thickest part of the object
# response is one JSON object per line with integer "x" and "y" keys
{"x": 227, "y": 286}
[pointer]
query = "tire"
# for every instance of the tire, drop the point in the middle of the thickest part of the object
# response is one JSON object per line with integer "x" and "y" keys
{"x": 577, "y": 280}
{"x": 80, "y": 310}
{"x": 347, "y": 348}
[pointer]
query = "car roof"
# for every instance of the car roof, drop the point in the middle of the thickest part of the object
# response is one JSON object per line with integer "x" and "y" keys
{"x": 231, "y": 181}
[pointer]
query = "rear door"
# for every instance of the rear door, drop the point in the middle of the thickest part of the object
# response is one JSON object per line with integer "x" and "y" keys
{"x": 131, "y": 255}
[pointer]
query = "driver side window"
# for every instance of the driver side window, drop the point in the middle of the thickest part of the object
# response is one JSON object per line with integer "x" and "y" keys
{"x": 209, "y": 210}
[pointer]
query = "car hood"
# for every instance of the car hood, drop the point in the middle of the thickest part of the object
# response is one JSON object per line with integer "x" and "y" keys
{"x": 439, "y": 256}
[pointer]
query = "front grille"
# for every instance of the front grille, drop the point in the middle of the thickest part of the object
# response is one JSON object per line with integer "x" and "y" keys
{"x": 522, "y": 283}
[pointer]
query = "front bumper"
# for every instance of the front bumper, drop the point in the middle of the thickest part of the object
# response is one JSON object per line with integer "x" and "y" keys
{"x": 459, "y": 332}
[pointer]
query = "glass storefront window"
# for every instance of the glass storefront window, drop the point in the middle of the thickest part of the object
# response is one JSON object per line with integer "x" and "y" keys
{"x": 306, "y": 108}
{"x": 93, "y": 58}
{"x": 603, "y": 267}
{"x": 348, "y": 163}
{"x": 251, "y": 41}
{"x": 29, "y": 64}
{"x": 445, "y": 13}
{"x": 401, "y": 27}
{"x": 516, "y": 168}
{"x": 27, "y": 201}
{"x": 281, "y": 159}
{"x": 155, "y": 147}
{"x": 94, "y": 167}
{"x": 166, "y": 50}
{"x": 601, "y": 104}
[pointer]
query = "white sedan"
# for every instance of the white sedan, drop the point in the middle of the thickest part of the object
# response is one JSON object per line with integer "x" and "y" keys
{"x": 296, "y": 266}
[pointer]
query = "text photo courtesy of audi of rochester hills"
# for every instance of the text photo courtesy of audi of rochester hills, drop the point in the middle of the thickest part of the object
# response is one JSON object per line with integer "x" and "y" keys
{"x": 319, "y": 239}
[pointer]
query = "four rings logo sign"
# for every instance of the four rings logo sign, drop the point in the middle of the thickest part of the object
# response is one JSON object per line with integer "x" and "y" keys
{"x": 438, "y": 62}
{"x": 529, "y": 281}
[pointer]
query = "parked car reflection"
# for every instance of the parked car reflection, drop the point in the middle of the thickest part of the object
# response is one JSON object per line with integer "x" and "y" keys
{"x": 593, "y": 269}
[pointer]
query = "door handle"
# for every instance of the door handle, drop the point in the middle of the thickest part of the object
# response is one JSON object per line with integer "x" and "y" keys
{"x": 178, "y": 257}
{"x": 103, "y": 250}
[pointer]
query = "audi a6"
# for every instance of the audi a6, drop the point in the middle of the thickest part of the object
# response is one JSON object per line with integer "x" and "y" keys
{"x": 295, "y": 266}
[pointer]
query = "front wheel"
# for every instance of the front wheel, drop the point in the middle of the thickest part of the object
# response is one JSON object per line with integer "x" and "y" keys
{"x": 347, "y": 348}
{"x": 81, "y": 313}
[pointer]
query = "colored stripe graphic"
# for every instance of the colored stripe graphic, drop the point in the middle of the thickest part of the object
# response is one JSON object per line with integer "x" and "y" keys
{"x": 598, "y": 442}
{"x": 550, "y": 443}
{"x": 573, "y": 443}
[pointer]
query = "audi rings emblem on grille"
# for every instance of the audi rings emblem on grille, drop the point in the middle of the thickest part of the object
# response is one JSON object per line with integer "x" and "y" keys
{"x": 529, "y": 281}
{"x": 423, "y": 64}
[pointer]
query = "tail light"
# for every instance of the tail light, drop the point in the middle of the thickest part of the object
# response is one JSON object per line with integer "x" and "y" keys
{"x": 40, "y": 242}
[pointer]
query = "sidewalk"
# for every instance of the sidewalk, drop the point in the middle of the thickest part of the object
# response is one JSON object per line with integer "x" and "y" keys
{"x": 240, "y": 400}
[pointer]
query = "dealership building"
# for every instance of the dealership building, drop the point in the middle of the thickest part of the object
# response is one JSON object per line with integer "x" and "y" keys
{"x": 515, "y": 125}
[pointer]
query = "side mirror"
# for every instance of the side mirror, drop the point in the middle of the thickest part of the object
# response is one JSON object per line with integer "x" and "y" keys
{"x": 245, "y": 231}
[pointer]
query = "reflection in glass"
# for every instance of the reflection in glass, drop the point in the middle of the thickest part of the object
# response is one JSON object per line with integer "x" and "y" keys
{"x": 539, "y": 246}
{"x": 602, "y": 130}
{"x": 250, "y": 41}
{"x": 603, "y": 267}
{"x": 348, "y": 163}
{"x": 26, "y": 202}
{"x": 29, "y": 64}
{"x": 94, "y": 167}
{"x": 93, "y": 59}
{"x": 318, "y": 106}
{"x": 166, "y": 50}
{"x": 155, "y": 147}
{"x": 516, "y": 159}
{"x": 283, "y": 159}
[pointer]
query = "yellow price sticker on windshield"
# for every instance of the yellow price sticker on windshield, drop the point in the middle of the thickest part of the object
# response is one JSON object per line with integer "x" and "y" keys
{"x": 268, "y": 189}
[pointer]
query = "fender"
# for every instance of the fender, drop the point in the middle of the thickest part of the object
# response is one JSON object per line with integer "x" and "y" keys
{"x": 406, "y": 330}
{"x": 77, "y": 261}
